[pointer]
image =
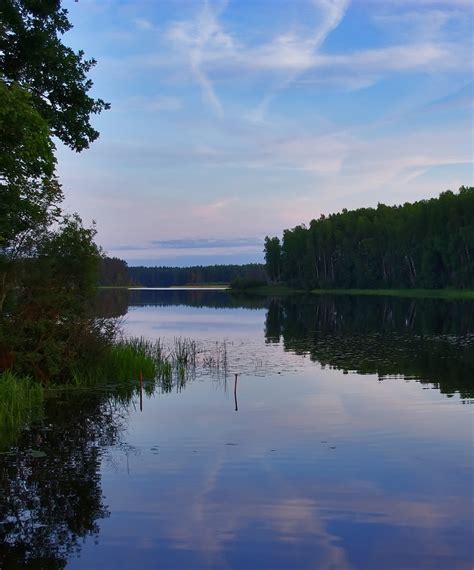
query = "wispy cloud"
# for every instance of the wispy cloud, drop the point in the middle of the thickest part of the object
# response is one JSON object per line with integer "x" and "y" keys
{"x": 191, "y": 251}
{"x": 199, "y": 36}
{"x": 208, "y": 243}
{"x": 209, "y": 47}
{"x": 297, "y": 54}
{"x": 143, "y": 24}
{"x": 213, "y": 52}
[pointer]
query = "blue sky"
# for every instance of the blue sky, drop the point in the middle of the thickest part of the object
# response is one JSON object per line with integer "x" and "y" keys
{"x": 235, "y": 119}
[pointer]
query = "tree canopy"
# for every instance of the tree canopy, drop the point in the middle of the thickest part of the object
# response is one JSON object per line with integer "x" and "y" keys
{"x": 427, "y": 244}
{"x": 33, "y": 56}
{"x": 48, "y": 260}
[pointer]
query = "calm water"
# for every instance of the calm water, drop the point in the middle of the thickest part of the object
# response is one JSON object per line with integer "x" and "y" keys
{"x": 346, "y": 443}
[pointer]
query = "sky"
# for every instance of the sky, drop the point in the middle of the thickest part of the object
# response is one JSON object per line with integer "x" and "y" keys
{"x": 233, "y": 120}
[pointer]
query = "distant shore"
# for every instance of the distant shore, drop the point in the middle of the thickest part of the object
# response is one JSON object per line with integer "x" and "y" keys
{"x": 413, "y": 293}
{"x": 281, "y": 290}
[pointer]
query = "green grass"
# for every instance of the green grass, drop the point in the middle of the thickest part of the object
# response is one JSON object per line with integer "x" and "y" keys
{"x": 122, "y": 362}
{"x": 413, "y": 293}
{"x": 125, "y": 362}
{"x": 21, "y": 401}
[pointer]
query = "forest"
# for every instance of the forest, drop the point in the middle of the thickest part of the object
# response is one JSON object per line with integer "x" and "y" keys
{"x": 426, "y": 244}
{"x": 114, "y": 271}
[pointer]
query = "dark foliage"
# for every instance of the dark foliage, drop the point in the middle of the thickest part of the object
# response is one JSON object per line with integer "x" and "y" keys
{"x": 33, "y": 56}
{"x": 48, "y": 260}
{"x": 427, "y": 244}
{"x": 113, "y": 272}
{"x": 168, "y": 276}
{"x": 245, "y": 283}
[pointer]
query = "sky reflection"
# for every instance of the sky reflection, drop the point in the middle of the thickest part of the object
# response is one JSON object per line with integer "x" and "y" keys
{"x": 297, "y": 478}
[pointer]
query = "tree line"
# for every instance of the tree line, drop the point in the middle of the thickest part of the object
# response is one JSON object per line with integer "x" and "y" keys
{"x": 114, "y": 271}
{"x": 425, "y": 244}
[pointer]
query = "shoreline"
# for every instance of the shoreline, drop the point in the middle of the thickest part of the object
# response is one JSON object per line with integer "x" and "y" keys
{"x": 275, "y": 290}
{"x": 449, "y": 294}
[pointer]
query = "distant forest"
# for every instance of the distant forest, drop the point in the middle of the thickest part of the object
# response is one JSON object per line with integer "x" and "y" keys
{"x": 427, "y": 244}
{"x": 114, "y": 271}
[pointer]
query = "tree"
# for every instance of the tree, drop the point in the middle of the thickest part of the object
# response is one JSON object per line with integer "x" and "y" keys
{"x": 48, "y": 261}
{"x": 272, "y": 250}
{"x": 425, "y": 244}
{"x": 33, "y": 57}
{"x": 30, "y": 194}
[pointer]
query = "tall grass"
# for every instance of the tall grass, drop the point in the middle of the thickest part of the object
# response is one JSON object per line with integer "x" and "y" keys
{"x": 21, "y": 401}
{"x": 122, "y": 370}
{"x": 122, "y": 362}
{"x": 183, "y": 359}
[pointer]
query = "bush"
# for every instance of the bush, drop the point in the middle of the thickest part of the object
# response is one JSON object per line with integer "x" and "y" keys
{"x": 244, "y": 283}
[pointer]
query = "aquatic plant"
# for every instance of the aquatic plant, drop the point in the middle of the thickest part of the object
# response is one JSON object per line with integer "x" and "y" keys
{"x": 215, "y": 361}
{"x": 21, "y": 401}
{"x": 124, "y": 361}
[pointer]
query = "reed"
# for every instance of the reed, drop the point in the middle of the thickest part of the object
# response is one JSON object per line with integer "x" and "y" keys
{"x": 21, "y": 401}
{"x": 122, "y": 363}
{"x": 216, "y": 361}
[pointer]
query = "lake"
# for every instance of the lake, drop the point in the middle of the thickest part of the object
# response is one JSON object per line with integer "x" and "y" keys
{"x": 314, "y": 433}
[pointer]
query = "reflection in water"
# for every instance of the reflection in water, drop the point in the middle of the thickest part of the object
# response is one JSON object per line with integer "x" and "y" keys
{"x": 429, "y": 340}
{"x": 50, "y": 493}
{"x": 235, "y": 393}
{"x": 313, "y": 472}
{"x": 116, "y": 302}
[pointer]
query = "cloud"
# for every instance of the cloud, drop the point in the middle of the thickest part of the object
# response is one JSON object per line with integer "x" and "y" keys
{"x": 205, "y": 33}
{"x": 208, "y": 45}
{"x": 192, "y": 251}
{"x": 289, "y": 56}
{"x": 155, "y": 103}
{"x": 207, "y": 243}
{"x": 143, "y": 24}
{"x": 298, "y": 54}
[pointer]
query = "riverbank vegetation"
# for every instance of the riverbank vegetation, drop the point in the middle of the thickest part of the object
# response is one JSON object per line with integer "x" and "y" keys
{"x": 48, "y": 259}
{"x": 425, "y": 245}
{"x": 122, "y": 370}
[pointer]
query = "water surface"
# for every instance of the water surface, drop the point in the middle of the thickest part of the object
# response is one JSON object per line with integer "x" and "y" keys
{"x": 346, "y": 442}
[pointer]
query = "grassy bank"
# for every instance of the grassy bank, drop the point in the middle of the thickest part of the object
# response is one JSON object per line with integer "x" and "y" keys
{"x": 280, "y": 290}
{"x": 119, "y": 368}
{"x": 412, "y": 293}
{"x": 117, "y": 372}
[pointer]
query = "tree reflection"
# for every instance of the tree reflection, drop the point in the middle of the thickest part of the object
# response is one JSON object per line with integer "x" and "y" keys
{"x": 50, "y": 486}
{"x": 429, "y": 340}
